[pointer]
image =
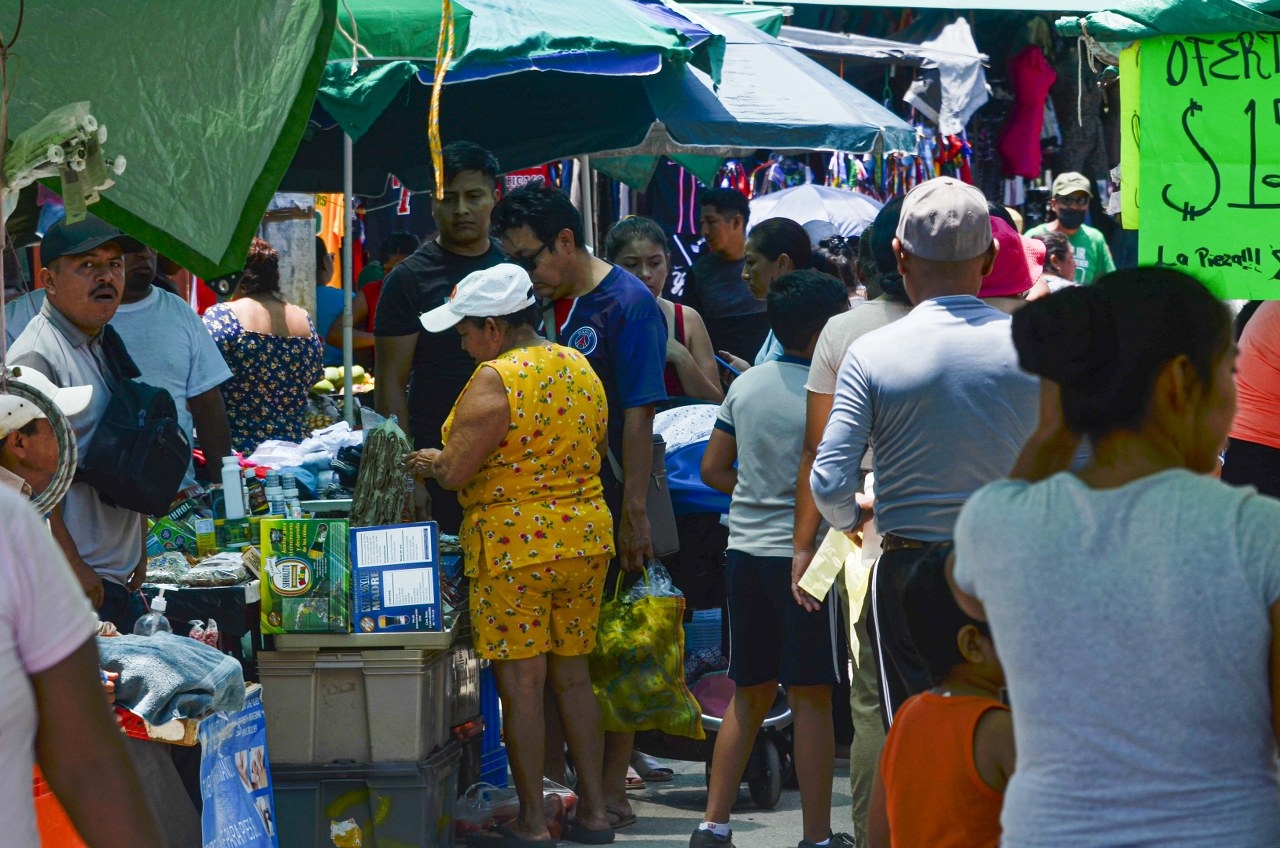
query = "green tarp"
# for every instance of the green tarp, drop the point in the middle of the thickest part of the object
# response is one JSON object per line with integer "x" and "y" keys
{"x": 1129, "y": 20}
{"x": 492, "y": 38}
{"x": 763, "y": 18}
{"x": 207, "y": 102}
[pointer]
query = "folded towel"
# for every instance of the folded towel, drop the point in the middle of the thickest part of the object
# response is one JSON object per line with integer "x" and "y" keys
{"x": 163, "y": 677}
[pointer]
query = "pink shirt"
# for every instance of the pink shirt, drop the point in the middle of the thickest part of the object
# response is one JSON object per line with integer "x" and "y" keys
{"x": 44, "y": 618}
{"x": 1258, "y": 379}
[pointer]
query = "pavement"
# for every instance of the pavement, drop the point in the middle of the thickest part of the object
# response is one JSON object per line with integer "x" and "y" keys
{"x": 668, "y": 812}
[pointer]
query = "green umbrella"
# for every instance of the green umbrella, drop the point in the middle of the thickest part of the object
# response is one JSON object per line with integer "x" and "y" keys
{"x": 532, "y": 80}
{"x": 394, "y": 41}
{"x": 206, "y": 101}
{"x": 1130, "y": 20}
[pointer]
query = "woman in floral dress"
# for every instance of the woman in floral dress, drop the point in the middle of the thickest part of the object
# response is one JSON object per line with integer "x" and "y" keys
{"x": 273, "y": 351}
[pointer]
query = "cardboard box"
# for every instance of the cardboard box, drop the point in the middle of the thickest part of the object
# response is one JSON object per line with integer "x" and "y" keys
{"x": 395, "y": 573}
{"x": 305, "y": 576}
{"x": 173, "y": 536}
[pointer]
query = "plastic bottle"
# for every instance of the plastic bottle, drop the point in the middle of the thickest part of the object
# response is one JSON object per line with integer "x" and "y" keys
{"x": 275, "y": 494}
{"x": 292, "y": 506}
{"x": 154, "y": 622}
{"x": 255, "y": 500}
{"x": 232, "y": 489}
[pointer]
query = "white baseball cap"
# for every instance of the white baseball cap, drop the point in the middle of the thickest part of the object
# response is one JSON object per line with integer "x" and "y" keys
{"x": 490, "y": 293}
{"x": 17, "y": 412}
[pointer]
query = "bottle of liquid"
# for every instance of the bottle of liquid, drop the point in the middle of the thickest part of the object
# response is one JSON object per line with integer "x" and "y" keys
{"x": 275, "y": 494}
{"x": 316, "y": 552}
{"x": 255, "y": 493}
{"x": 292, "y": 506}
{"x": 232, "y": 489}
{"x": 154, "y": 622}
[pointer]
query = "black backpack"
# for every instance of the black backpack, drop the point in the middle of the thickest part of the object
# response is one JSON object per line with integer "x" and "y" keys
{"x": 139, "y": 453}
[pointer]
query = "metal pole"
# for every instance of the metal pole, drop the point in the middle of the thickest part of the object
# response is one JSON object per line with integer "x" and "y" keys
{"x": 588, "y": 203}
{"x": 348, "y": 245}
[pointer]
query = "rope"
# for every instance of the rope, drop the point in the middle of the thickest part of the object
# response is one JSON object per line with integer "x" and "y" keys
{"x": 354, "y": 38}
{"x": 444, "y": 55}
{"x": 1080, "y": 48}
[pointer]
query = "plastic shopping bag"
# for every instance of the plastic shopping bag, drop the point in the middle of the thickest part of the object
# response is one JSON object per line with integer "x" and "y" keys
{"x": 637, "y": 668}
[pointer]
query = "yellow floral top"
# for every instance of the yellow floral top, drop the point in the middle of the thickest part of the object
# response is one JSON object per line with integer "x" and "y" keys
{"x": 538, "y": 497}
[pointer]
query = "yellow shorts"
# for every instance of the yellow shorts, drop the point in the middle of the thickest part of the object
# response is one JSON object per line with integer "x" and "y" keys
{"x": 552, "y": 607}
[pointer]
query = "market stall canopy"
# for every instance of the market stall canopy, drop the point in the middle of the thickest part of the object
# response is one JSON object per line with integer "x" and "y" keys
{"x": 766, "y": 18}
{"x": 770, "y": 96}
{"x": 205, "y": 150}
{"x": 880, "y": 50}
{"x": 966, "y": 5}
{"x": 395, "y": 41}
{"x": 527, "y": 85}
{"x": 1130, "y": 20}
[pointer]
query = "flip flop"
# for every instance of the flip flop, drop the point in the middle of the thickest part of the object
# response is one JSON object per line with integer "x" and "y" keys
{"x": 618, "y": 821}
{"x": 501, "y": 836}
{"x": 634, "y": 780}
{"x": 574, "y": 832}
{"x": 659, "y": 774}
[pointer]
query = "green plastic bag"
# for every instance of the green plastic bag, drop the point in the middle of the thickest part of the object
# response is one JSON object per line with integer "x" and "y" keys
{"x": 637, "y": 667}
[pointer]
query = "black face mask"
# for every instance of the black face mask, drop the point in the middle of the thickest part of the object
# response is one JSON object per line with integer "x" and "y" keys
{"x": 1071, "y": 219}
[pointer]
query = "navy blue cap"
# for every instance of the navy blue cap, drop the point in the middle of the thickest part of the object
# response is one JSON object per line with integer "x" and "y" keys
{"x": 65, "y": 239}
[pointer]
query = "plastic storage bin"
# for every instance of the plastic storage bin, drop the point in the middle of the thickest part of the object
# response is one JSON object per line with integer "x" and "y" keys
{"x": 393, "y": 804}
{"x": 464, "y": 693}
{"x": 381, "y": 705}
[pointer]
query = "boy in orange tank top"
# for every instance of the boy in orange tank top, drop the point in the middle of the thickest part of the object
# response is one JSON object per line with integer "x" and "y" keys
{"x": 949, "y": 753}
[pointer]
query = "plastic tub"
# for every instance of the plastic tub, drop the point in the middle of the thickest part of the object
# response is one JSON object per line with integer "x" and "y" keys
{"x": 393, "y": 804}
{"x": 373, "y": 706}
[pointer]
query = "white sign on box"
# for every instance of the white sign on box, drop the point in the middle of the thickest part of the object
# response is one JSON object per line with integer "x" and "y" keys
{"x": 396, "y": 578}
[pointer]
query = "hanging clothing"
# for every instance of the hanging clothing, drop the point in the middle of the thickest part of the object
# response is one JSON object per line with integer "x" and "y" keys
{"x": 1019, "y": 141}
{"x": 1079, "y": 98}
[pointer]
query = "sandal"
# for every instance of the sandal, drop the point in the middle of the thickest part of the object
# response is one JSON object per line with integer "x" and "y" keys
{"x": 649, "y": 768}
{"x": 634, "y": 780}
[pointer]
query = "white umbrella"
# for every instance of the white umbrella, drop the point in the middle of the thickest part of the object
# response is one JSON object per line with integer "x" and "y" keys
{"x": 848, "y": 211}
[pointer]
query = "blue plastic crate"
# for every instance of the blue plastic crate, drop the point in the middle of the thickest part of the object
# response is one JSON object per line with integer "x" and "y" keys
{"x": 493, "y": 767}
{"x": 491, "y": 709}
{"x": 703, "y": 632}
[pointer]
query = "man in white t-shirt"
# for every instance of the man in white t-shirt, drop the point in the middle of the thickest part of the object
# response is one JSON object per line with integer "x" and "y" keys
{"x": 183, "y": 359}
{"x": 52, "y": 707}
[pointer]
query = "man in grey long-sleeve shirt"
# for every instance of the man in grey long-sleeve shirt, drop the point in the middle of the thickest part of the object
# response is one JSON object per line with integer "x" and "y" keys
{"x": 939, "y": 396}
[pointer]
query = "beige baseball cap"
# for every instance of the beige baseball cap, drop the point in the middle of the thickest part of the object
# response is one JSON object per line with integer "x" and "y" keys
{"x": 1069, "y": 182}
{"x": 944, "y": 220}
{"x": 17, "y": 412}
{"x": 489, "y": 293}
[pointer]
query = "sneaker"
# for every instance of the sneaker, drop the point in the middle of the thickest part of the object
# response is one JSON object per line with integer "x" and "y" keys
{"x": 838, "y": 840}
{"x": 706, "y": 839}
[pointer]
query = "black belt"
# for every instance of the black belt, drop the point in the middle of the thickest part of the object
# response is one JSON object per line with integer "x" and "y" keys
{"x": 891, "y": 542}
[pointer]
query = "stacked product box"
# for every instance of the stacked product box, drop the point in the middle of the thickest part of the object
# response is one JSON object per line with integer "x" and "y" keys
{"x": 306, "y": 574}
{"x": 395, "y": 578}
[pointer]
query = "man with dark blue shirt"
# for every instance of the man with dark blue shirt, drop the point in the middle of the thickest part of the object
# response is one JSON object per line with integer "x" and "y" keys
{"x": 609, "y": 317}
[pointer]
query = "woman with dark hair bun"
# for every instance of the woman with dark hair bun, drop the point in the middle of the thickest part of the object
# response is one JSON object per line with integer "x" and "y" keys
{"x": 273, "y": 352}
{"x": 1135, "y": 602}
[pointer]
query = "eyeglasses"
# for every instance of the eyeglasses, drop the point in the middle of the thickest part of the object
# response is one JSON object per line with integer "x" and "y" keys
{"x": 531, "y": 261}
{"x": 1076, "y": 202}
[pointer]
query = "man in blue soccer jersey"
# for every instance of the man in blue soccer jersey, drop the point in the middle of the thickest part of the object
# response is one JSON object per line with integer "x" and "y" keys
{"x": 609, "y": 317}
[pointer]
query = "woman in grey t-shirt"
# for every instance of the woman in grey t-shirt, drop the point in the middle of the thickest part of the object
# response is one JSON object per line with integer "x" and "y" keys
{"x": 1134, "y": 601}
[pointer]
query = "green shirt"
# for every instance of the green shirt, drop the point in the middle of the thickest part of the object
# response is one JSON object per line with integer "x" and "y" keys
{"x": 1093, "y": 257}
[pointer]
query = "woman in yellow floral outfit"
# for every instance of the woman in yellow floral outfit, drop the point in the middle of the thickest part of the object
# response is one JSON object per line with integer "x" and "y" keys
{"x": 522, "y": 446}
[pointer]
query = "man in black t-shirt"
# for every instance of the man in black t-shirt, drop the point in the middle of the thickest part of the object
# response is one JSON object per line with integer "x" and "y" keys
{"x": 421, "y": 374}
{"x": 735, "y": 318}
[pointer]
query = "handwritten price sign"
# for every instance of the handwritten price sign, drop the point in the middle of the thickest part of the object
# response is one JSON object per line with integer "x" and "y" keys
{"x": 1209, "y": 159}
